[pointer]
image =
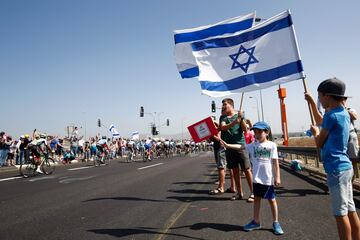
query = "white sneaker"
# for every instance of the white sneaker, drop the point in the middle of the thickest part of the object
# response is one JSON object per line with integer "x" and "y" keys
{"x": 38, "y": 170}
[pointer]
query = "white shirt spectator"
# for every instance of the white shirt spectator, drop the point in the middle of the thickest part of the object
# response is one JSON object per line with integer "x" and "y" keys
{"x": 261, "y": 157}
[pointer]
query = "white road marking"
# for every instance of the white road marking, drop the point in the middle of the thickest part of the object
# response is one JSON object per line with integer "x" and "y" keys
{"x": 74, "y": 169}
{"x": 154, "y": 165}
{"x": 41, "y": 178}
{"x": 8, "y": 179}
{"x": 70, "y": 180}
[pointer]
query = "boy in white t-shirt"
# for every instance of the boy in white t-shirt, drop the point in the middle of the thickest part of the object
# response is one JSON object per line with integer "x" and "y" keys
{"x": 266, "y": 173}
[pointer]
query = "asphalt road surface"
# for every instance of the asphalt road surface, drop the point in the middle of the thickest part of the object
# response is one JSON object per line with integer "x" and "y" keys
{"x": 162, "y": 199}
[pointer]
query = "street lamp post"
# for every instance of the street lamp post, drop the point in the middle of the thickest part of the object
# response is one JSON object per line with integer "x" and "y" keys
{"x": 257, "y": 107}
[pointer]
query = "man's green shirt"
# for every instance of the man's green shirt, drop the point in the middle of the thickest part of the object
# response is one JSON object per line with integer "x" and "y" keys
{"x": 233, "y": 135}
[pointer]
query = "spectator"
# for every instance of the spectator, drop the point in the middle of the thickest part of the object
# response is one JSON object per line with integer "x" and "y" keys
{"x": 353, "y": 144}
{"x": 5, "y": 150}
{"x": 11, "y": 152}
{"x": 74, "y": 145}
{"x": 232, "y": 125}
{"x": 249, "y": 134}
{"x": 80, "y": 151}
{"x": 332, "y": 139}
{"x": 87, "y": 152}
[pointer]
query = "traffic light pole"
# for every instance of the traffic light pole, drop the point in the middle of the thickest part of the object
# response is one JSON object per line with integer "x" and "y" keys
{"x": 154, "y": 132}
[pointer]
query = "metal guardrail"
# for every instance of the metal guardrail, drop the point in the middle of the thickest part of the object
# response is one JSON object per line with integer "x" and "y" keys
{"x": 305, "y": 152}
{"x": 311, "y": 159}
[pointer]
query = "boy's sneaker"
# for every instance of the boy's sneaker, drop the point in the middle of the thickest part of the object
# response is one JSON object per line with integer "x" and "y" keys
{"x": 277, "y": 228}
{"x": 252, "y": 226}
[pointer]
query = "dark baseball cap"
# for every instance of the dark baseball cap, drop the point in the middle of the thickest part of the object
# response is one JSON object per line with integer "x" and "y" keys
{"x": 333, "y": 87}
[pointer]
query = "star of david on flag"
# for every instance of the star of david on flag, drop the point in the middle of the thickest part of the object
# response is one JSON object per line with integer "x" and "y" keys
{"x": 185, "y": 61}
{"x": 259, "y": 57}
{"x": 251, "y": 59}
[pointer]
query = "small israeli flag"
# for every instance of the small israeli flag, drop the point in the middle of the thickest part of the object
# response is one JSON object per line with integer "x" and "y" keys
{"x": 113, "y": 131}
{"x": 135, "y": 136}
{"x": 260, "y": 57}
{"x": 184, "y": 58}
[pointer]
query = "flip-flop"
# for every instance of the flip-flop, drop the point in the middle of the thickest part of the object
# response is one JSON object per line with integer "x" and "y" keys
{"x": 229, "y": 191}
{"x": 236, "y": 197}
{"x": 216, "y": 192}
{"x": 251, "y": 198}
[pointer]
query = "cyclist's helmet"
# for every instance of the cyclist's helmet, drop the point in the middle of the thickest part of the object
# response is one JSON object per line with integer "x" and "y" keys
{"x": 42, "y": 135}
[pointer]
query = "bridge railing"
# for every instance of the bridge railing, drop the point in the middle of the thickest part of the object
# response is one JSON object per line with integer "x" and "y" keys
{"x": 308, "y": 155}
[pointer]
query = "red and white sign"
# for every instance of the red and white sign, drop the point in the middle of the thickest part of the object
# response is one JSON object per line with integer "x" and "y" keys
{"x": 203, "y": 130}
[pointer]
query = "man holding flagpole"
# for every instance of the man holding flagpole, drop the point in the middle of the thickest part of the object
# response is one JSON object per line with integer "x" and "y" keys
{"x": 232, "y": 126}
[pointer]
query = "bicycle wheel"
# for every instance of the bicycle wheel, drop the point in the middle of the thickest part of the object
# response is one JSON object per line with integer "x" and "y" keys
{"x": 48, "y": 165}
{"x": 106, "y": 160}
{"x": 27, "y": 169}
{"x": 96, "y": 161}
{"x": 144, "y": 157}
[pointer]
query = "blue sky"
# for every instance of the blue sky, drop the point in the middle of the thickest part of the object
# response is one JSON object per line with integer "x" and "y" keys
{"x": 72, "y": 62}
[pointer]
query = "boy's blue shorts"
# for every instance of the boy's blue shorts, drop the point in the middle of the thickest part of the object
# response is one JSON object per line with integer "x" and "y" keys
{"x": 264, "y": 191}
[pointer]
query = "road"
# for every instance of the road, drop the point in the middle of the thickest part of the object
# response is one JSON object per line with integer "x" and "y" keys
{"x": 163, "y": 199}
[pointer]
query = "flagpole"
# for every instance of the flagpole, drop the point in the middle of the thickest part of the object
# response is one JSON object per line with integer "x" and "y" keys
{"x": 313, "y": 123}
{"x": 241, "y": 101}
{"x": 310, "y": 111}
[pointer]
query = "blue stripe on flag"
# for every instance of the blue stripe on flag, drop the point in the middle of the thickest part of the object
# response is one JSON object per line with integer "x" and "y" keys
{"x": 213, "y": 31}
{"x": 242, "y": 37}
{"x": 190, "y": 73}
{"x": 250, "y": 79}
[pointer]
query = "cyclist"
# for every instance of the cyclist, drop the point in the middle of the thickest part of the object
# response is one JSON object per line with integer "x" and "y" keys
{"x": 148, "y": 146}
{"x": 37, "y": 145}
{"x": 131, "y": 150}
{"x": 102, "y": 146}
{"x": 167, "y": 147}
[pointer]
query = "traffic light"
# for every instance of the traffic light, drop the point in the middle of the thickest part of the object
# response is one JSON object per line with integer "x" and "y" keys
{"x": 99, "y": 123}
{"x": 213, "y": 106}
{"x": 167, "y": 122}
{"x": 141, "y": 111}
{"x": 153, "y": 130}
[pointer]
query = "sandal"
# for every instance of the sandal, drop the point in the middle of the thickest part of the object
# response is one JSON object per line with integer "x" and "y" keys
{"x": 251, "y": 198}
{"x": 217, "y": 191}
{"x": 230, "y": 191}
{"x": 237, "y": 197}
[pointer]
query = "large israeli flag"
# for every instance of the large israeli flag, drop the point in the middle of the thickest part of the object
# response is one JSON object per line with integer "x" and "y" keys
{"x": 260, "y": 57}
{"x": 184, "y": 58}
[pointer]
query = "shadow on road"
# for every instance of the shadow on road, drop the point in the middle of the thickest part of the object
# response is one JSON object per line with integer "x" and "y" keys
{"x": 125, "y": 232}
{"x": 190, "y": 191}
{"x": 126, "y": 199}
{"x": 216, "y": 226}
{"x": 314, "y": 182}
{"x": 283, "y": 192}
{"x": 191, "y": 183}
{"x": 317, "y": 183}
{"x": 196, "y": 199}
{"x": 219, "y": 227}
